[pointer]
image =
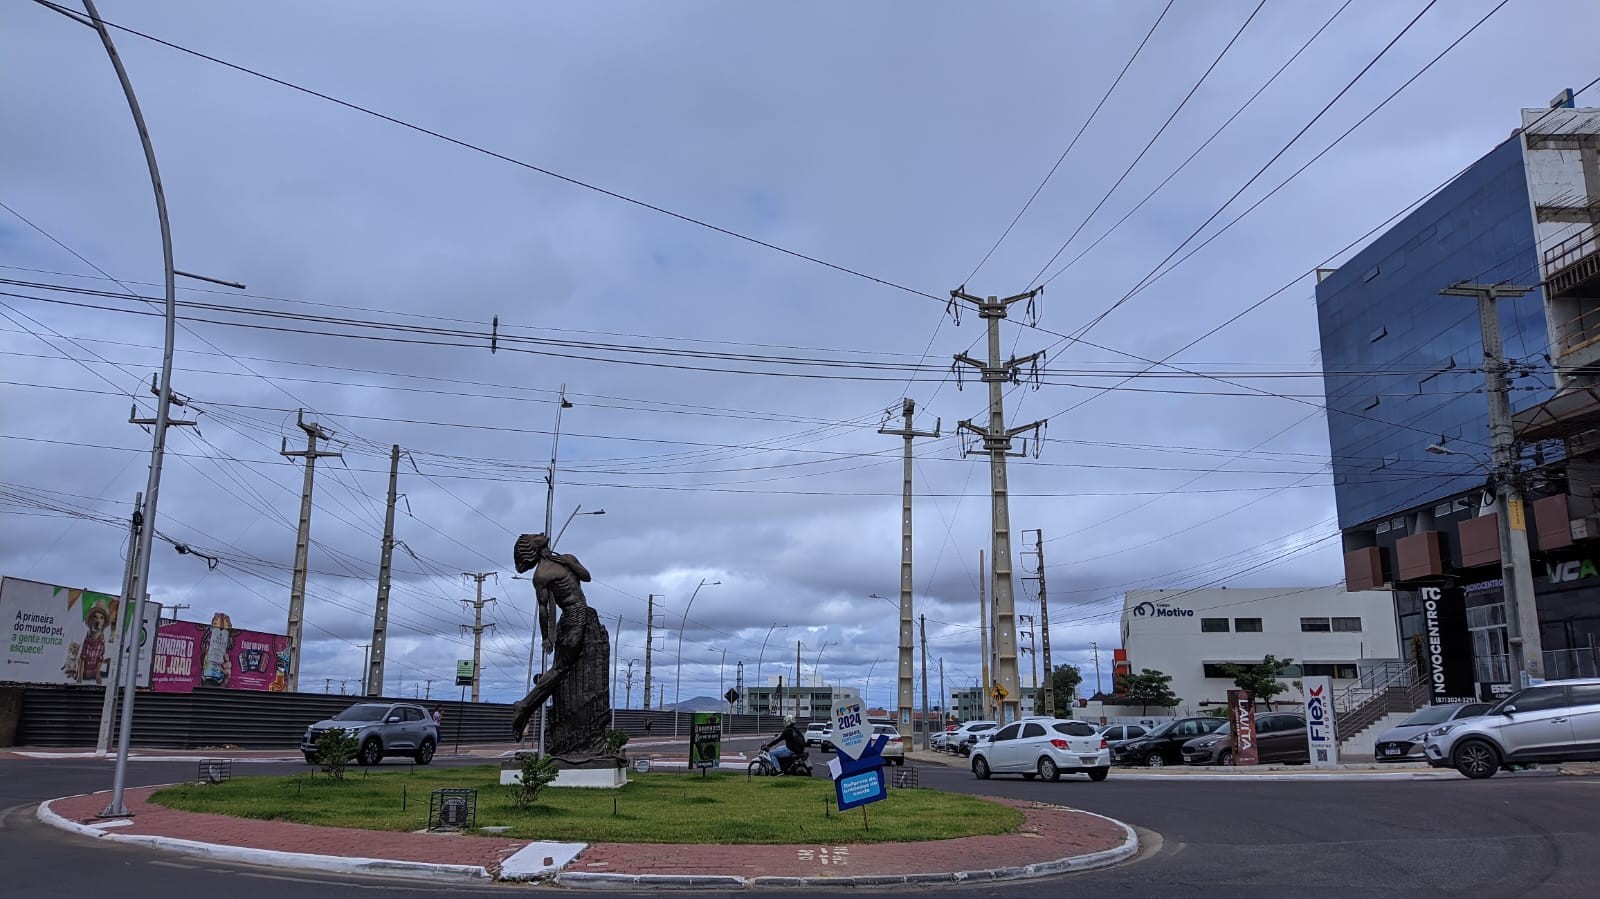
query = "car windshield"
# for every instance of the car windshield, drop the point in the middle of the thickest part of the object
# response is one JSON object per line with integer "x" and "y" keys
{"x": 365, "y": 712}
{"x": 1224, "y": 730}
{"x": 1433, "y": 714}
{"x": 1161, "y": 731}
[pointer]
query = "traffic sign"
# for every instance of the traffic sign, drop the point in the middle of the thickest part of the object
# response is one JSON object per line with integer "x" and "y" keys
{"x": 999, "y": 692}
{"x": 732, "y": 696}
{"x": 465, "y": 673}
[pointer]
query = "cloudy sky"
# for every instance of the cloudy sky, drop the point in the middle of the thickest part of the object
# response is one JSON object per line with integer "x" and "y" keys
{"x": 729, "y": 230}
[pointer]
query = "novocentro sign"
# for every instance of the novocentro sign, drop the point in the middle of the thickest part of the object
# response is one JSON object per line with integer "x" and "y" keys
{"x": 1149, "y": 609}
{"x": 1445, "y": 646}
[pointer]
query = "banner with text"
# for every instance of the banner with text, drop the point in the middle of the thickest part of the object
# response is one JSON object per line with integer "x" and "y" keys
{"x": 190, "y": 655}
{"x": 1242, "y": 721}
{"x": 1321, "y": 741}
{"x": 62, "y": 635}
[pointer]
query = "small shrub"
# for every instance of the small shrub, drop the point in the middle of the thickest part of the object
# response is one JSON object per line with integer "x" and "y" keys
{"x": 537, "y": 773}
{"x": 335, "y": 749}
{"x": 615, "y": 740}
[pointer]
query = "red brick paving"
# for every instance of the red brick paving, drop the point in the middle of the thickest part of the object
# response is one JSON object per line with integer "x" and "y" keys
{"x": 1048, "y": 833}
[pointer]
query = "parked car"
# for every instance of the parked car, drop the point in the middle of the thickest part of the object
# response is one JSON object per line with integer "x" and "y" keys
{"x": 1164, "y": 745}
{"x": 1280, "y": 739}
{"x": 961, "y": 739}
{"x": 381, "y": 729}
{"x": 1556, "y": 721}
{"x": 816, "y": 733}
{"x": 1043, "y": 747}
{"x": 1117, "y": 734}
{"x": 1403, "y": 742}
{"x": 937, "y": 739}
{"x": 894, "y": 751}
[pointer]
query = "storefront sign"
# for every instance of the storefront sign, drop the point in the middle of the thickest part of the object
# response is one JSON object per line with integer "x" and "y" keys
{"x": 59, "y": 635}
{"x": 1446, "y": 646}
{"x": 1321, "y": 739}
{"x": 1148, "y": 609}
{"x": 705, "y": 747}
{"x": 1242, "y": 721}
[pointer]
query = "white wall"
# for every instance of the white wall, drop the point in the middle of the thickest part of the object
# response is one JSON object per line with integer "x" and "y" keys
{"x": 1161, "y": 630}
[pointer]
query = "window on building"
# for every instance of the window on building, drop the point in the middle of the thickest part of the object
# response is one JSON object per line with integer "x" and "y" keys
{"x": 1315, "y": 625}
{"x": 1336, "y": 670}
{"x": 1347, "y": 625}
{"x": 1220, "y": 669}
{"x": 1247, "y": 625}
{"x": 1213, "y": 625}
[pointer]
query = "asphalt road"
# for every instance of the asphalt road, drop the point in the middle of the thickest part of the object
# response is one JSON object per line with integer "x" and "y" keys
{"x": 1517, "y": 835}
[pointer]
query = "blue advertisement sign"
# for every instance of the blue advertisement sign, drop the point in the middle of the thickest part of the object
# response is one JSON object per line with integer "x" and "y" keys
{"x": 860, "y": 788}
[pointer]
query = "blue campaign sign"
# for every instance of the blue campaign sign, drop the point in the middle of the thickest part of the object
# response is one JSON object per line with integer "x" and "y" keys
{"x": 859, "y": 781}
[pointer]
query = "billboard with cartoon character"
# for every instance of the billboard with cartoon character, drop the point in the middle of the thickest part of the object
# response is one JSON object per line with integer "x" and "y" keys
{"x": 190, "y": 655}
{"x": 63, "y": 635}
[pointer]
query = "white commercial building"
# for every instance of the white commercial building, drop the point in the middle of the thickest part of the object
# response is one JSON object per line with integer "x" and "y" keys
{"x": 1193, "y": 634}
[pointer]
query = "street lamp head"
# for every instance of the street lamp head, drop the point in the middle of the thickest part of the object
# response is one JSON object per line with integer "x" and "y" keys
{"x": 1441, "y": 450}
{"x": 566, "y": 403}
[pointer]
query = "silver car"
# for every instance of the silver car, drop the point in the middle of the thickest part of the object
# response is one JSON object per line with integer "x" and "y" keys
{"x": 1403, "y": 742}
{"x": 380, "y": 729}
{"x": 1556, "y": 721}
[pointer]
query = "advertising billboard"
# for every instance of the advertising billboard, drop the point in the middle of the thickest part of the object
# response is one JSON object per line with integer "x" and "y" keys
{"x": 1321, "y": 739}
{"x": 1446, "y": 646}
{"x": 63, "y": 635}
{"x": 1242, "y": 720}
{"x": 190, "y": 655}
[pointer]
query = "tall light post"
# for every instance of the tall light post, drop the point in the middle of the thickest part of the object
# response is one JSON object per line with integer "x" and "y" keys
{"x": 759, "y": 657}
{"x": 677, "y": 694}
{"x": 816, "y": 666}
{"x": 868, "y": 685}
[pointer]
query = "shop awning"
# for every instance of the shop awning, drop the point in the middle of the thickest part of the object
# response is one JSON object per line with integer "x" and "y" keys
{"x": 1572, "y": 411}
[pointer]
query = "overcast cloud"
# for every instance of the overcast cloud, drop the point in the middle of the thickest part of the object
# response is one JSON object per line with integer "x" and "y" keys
{"x": 895, "y": 139}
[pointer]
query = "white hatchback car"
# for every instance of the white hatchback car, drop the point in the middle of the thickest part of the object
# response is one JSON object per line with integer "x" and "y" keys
{"x": 1044, "y": 748}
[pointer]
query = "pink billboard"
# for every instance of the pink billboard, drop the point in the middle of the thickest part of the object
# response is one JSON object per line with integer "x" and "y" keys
{"x": 190, "y": 655}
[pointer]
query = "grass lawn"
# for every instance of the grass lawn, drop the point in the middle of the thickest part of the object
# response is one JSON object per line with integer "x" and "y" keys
{"x": 653, "y": 808}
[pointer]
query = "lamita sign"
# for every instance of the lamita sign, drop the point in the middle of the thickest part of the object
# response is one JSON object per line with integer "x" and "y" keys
{"x": 1321, "y": 739}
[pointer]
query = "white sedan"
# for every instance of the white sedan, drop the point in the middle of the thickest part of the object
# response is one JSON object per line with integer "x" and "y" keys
{"x": 1044, "y": 748}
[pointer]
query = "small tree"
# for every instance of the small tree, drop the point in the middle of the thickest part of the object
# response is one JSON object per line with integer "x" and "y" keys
{"x": 1261, "y": 680}
{"x": 615, "y": 740}
{"x": 1064, "y": 681}
{"x": 335, "y": 748}
{"x": 537, "y": 773}
{"x": 1150, "y": 688}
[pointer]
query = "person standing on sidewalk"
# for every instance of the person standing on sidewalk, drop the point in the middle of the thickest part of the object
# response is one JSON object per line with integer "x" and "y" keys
{"x": 438, "y": 717}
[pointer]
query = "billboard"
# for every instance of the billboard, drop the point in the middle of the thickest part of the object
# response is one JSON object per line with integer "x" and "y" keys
{"x": 62, "y": 635}
{"x": 1321, "y": 740}
{"x": 190, "y": 655}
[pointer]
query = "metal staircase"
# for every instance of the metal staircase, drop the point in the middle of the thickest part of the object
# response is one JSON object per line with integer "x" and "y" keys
{"x": 1381, "y": 690}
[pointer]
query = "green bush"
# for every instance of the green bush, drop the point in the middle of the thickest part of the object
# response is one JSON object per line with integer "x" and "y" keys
{"x": 335, "y": 748}
{"x": 537, "y": 773}
{"x": 615, "y": 740}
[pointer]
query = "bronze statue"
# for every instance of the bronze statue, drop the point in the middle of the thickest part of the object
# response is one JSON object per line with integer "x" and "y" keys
{"x": 578, "y": 677}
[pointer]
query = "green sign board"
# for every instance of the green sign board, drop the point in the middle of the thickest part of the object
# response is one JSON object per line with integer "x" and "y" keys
{"x": 465, "y": 674}
{"x": 705, "y": 742}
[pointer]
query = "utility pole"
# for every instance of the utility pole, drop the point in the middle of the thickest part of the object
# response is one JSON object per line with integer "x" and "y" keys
{"x": 627, "y": 690}
{"x": 926, "y": 732}
{"x": 380, "y": 612}
{"x": 983, "y": 640}
{"x": 1044, "y": 631}
{"x": 944, "y": 698}
{"x": 1522, "y": 610}
{"x": 649, "y": 644}
{"x": 1096, "y": 648}
{"x": 908, "y": 408}
{"x": 427, "y": 691}
{"x": 175, "y": 608}
{"x": 108, "y": 707}
{"x": 997, "y": 439}
{"x": 738, "y": 684}
{"x": 302, "y": 540}
{"x": 477, "y": 627}
{"x": 366, "y": 658}
{"x": 616, "y": 664}
{"x": 1033, "y": 651}
{"x": 799, "y": 678}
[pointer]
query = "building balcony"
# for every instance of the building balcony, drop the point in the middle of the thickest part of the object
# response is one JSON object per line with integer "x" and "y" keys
{"x": 1572, "y": 285}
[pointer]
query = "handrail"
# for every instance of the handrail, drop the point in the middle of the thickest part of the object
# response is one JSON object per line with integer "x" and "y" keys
{"x": 1561, "y": 250}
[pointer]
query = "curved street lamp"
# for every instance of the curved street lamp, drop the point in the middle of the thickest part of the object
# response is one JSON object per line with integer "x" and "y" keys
{"x": 759, "y": 657}
{"x": 868, "y": 685}
{"x": 677, "y": 696}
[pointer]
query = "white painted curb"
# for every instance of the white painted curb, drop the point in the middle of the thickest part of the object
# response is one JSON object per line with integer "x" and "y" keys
{"x": 245, "y": 855}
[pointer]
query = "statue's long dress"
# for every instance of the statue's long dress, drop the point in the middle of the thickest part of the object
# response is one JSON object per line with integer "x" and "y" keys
{"x": 580, "y": 711}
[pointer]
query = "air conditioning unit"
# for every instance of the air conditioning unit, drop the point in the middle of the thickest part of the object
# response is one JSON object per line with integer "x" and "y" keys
{"x": 1585, "y": 528}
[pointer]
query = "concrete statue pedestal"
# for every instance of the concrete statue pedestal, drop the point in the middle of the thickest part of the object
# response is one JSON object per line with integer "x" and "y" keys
{"x": 608, "y": 773}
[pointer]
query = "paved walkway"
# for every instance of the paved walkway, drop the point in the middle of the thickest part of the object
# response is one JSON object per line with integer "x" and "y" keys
{"x": 1052, "y": 839}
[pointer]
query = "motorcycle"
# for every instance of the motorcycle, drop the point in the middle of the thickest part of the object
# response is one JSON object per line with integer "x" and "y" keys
{"x": 765, "y": 765}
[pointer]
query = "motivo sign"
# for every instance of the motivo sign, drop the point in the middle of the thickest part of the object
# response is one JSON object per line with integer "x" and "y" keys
{"x": 190, "y": 655}
{"x": 1163, "y": 609}
{"x": 1242, "y": 721}
{"x": 61, "y": 635}
{"x": 1446, "y": 646}
{"x": 1321, "y": 739}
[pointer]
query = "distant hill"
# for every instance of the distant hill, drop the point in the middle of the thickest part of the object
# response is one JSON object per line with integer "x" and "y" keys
{"x": 697, "y": 704}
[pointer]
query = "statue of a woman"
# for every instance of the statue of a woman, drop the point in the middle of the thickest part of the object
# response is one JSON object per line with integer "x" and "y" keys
{"x": 579, "y": 675}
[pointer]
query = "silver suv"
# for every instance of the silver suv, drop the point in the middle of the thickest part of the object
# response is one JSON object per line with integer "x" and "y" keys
{"x": 380, "y": 729}
{"x": 1556, "y": 721}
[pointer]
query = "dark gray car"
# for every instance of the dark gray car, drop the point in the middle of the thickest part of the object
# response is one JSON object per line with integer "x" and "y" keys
{"x": 381, "y": 729}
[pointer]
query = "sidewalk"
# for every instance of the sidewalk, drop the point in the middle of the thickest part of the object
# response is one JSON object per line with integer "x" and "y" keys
{"x": 1052, "y": 840}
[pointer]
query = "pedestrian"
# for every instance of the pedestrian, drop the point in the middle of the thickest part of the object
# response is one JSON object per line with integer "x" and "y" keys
{"x": 438, "y": 717}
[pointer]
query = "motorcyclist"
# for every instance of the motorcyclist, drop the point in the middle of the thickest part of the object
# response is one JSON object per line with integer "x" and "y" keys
{"x": 793, "y": 742}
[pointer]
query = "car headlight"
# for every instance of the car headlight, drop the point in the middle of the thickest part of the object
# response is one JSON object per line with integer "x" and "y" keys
{"x": 1441, "y": 730}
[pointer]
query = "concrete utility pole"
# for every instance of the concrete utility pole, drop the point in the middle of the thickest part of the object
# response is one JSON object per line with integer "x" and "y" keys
{"x": 175, "y": 608}
{"x": 1032, "y": 650}
{"x": 1522, "y": 610}
{"x": 627, "y": 687}
{"x": 983, "y": 640}
{"x": 616, "y": 665}
{"x": 944, "y": 698}
{"x": 380, "y": 612}
{"x": 108, "y": 707}
{"x": 427, "y": 690}
{"x": 366, "y": 660}
{"x": 926, "y": 731}
{"x": 649, "y": 644}
{"x": 1044, "y": 631}
{"x": 738, "y": 684}
{"x": 799, "y": 678}
{"x": 477, "y": 627}
{"x": 302, "y": 540}
{"x": 997, "y": 443}
{"x": 1095, "y": 647}
{"x": 908, "y": 408}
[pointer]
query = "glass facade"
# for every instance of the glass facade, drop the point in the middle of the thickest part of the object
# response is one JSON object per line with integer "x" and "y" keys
{"x": 1402, "y": 365}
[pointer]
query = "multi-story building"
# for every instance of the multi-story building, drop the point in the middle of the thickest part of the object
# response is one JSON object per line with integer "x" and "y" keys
{"x": 1193, "y": 635}
{"x": 968, "y": 705}
{"x": 809, "y": 702}
{"x": 1408, "y": 419}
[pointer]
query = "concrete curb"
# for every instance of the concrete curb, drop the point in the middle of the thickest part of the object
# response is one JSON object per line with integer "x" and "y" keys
{"x": 245, "y": 855}
{"x": 1070, "y": 864}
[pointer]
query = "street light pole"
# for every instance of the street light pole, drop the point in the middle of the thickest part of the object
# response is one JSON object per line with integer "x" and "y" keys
{"x": 677, "y": 694}
{"x": 759, "y": 657}
{"x": 866, "y": 700}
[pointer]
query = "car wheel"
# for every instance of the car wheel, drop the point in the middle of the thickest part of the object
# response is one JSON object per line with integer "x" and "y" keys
{"x": 1099, "y": 774}
{"x": 371, "y": 752}
{"x": 1155, "y": 760}
{"x": 425, "y": 752}
{"x": 1225, "y": 757}
{"x": 980, "y": 768}
{"x": 1049, "y": 771}
{"x": 1476, "y": 759}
